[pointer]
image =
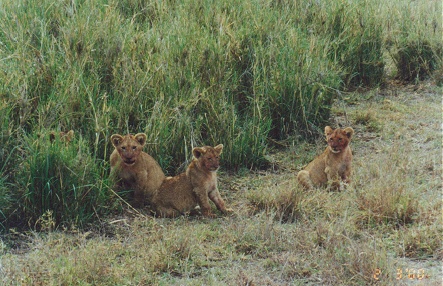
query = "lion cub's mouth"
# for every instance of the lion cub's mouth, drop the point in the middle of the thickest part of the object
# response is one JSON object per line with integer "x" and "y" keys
{"x": 335, "y": 151}
{"x": 129, "y": 162}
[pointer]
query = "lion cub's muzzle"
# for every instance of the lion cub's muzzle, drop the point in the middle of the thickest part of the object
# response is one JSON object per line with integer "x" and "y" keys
{"x": 335, "y": 149}
{"x": 128, "y": 160}
{"x": 213, "y": 168}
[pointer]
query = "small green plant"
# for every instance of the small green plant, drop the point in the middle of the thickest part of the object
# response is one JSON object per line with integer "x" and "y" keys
{"x": 438, "y": 75}
{"x": 420, "y": 241}
{"x": 8, "y": 202}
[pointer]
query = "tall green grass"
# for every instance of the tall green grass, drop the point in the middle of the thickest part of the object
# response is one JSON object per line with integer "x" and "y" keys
{"x": 186, "y": 73}
{"x": 413, "y": 37}
{"x": 355, "y": 40}
{"x": 61, "y": 180}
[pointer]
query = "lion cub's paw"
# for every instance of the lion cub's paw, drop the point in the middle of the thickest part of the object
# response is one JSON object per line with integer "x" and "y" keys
{"x": 209, "y": 215}
{"x": 334, "y": 186}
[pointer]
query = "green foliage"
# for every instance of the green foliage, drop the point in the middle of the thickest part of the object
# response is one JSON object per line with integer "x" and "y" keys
{"x": 59, "y": 182}
{"x": 417, "y": 60}
{"x": 413, "y": 37}
{"x": 355, "y": 39}
{"x": 7, "y": 165}
{"x": 6, "y": 202}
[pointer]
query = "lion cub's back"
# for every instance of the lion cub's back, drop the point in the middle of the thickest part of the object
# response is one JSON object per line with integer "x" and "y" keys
{"x": 155, "y": 172}
{"x": 176, "y": 192}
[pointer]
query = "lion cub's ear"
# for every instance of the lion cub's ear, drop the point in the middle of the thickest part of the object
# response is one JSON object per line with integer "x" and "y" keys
{"x": 349, "y": 132}
{"x": 116, "y": 139}
{"x": 141, "y": 138}
{"x": 219, "y": 148}
{"x": 52, "y": 136}
{"x": 328, "y": 131}
{"x": 198, "y": 151}
{"x": 67, "y": 136}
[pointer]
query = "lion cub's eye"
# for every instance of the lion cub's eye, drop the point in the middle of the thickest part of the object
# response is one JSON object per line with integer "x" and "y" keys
{"x": 339, "y": 139}
{"x": 123, "y": 148}
{"x": 134, "y": 147}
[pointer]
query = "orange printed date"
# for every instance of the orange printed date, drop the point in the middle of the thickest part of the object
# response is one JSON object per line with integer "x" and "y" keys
{"x": 407, "y": 273}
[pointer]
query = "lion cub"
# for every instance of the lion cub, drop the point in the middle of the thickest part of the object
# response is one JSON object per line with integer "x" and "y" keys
{"x": 133, "y": 169}
{"x": 182, "y": 193}
{"x": 331, "y": 166}
{"x": 65, "y": 137}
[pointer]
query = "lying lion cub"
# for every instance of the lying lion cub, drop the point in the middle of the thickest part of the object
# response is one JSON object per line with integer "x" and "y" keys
{"x": 331, "y": 166}
{"x": 180, "y": 194}
{"x": 133, "y": 169}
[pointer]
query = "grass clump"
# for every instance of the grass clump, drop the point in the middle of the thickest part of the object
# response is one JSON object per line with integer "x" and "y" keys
{"x": 356, "y": 44}
{"x": 368, "y": 119}
{"x": 59, "y": 184}
{"x": 386, "y": 206}
{"x": 284, "y": 205}
{"x": 413, "y": 38}
{"x": 420, "y": 241}
{"x": 417, "y": 60}
{"x": 6, "y": 202}
{"x": 355, "y": 39}
{"x": 387, "y": 200}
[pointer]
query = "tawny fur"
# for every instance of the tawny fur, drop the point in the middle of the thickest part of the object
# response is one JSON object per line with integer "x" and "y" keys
{"x": 65, "y": 137}
{"x": 334, "y": 165}
{"x": 133, "y": 169}
{"x": 181, "y": 194}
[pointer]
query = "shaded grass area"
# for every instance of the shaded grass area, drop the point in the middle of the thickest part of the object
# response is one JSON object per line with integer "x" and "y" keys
{"x": 388, "y": 219}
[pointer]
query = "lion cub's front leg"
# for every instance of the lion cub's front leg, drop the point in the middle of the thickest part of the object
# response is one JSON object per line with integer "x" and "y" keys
{"x": 204, "y": 195}
{"x": 203, "y": 201}
{"x": 218, "y": 201}
{"x": 333, "y": 178}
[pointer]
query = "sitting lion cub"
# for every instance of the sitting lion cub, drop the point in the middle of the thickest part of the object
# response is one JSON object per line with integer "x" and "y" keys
{"x": 182, "y": 193}
{"x": 331, "y": 166}
{"x": 133, "y": 169}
